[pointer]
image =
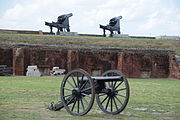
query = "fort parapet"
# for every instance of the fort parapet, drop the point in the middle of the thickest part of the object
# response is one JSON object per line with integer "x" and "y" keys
{"x": 134, "y": 63}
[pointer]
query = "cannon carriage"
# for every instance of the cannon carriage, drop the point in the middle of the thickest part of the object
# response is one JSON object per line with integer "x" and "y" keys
{"x": 114, "y": 25}
{"x": 62, "y": 24}
{"x": 79, "y": 90}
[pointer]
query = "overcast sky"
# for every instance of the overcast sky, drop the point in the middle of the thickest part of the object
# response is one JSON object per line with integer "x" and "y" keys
{"x": 140, "y": 17}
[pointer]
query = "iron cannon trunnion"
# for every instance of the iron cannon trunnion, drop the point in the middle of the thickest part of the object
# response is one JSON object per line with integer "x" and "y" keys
{"x": 79, "y": 89}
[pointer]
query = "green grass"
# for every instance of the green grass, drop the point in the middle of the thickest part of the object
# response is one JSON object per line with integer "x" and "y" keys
{"x": 83, "y": 37}
{"x": 26, "y": 98}
{"x": 89, "y": 41}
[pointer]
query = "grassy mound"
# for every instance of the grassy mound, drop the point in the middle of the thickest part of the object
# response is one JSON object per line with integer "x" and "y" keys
{"x": 88, "y": 41}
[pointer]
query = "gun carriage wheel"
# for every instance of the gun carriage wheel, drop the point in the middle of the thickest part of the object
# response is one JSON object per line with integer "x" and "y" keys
{"x": 77, "y": 92}
{"x": 116, "y": 94}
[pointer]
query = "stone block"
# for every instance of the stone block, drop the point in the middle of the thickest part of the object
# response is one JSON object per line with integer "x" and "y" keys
{"x": 33, "y": 71}
{"x": 120, "y": 36}
{"x": 168, "y": 37}
{"x": 56, "y": 71}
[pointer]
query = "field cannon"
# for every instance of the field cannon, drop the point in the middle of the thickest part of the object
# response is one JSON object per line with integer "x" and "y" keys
{"x": 79, "y": 90}
{"x": 114, "y": 25}
{"x": 62, "y": 23}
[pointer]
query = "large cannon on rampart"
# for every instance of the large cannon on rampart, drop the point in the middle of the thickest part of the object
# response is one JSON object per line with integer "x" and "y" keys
{"x": 62, "y": 23}
{"x": 114, "y": 25}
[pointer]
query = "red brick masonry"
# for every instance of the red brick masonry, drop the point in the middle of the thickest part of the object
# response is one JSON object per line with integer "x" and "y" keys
{"x": 21, "y": 31}
{"x": 134, "y": 63}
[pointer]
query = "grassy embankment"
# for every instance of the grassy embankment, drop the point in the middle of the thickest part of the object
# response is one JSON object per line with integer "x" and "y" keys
{"x": 91, "y": 41}
{"x": 25, "y": 98}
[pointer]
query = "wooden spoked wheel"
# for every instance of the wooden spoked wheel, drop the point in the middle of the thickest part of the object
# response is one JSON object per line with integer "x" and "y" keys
{"x": 77, "y": 92}
{"x": 116, "y": 98}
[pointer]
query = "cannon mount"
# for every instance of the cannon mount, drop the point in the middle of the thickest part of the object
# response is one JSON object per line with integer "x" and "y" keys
{"x": 62, "y": 24}
{"x": 114, "y": 25}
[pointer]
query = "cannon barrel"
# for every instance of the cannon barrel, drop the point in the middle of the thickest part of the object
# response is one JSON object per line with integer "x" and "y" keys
{"x": 69, "y": 15}
{"x": 47, "y": 23}
{"x": 66, "y": 15}
{"x": 119, "y": 17}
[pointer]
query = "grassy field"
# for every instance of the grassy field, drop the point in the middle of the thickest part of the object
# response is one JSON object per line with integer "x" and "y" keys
{"x": 88, "y": 41}
{"x": 26, "y": 98}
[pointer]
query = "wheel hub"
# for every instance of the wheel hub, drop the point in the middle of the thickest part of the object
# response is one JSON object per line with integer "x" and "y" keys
{"x": 111, "y": 92}
{"x": 76, "y": 92}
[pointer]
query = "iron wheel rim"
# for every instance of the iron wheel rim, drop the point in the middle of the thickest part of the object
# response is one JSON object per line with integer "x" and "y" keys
{"x": 77, "y": 101}
{"x": 115, "y": 102}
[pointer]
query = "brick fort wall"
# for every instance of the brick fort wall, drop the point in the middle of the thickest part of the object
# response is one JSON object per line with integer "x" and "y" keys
{"x": 134, "y": 63}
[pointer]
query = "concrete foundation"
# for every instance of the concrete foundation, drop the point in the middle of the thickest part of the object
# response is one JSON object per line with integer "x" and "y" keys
{"x": 68, "y": 34}
{"x": 120, "y": 36}
{"x": 168, "y": 37}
